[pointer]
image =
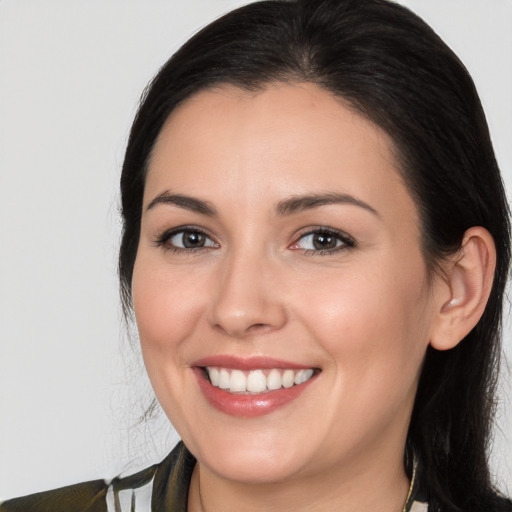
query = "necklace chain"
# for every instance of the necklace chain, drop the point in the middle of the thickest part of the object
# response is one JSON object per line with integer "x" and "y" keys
{"x": 411, "y": 487}
{"x": 404, "y": 509}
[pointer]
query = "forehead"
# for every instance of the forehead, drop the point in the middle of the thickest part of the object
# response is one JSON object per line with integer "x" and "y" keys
{"x": 297, "y": 113}
{"x": 282, "y": 140}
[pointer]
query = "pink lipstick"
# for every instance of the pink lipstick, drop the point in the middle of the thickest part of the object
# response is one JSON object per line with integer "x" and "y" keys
{"x": 253, "y": 386}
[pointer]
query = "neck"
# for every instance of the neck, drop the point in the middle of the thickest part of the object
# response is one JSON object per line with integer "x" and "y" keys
{"x": 379, "y": 484}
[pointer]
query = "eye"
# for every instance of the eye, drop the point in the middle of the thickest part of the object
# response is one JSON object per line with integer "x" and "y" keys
{"x": 323, "y": 241}
{"x": 188, "y": 239}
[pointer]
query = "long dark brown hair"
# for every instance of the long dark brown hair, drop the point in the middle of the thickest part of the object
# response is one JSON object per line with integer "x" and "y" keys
{"x": 393, "y": 69}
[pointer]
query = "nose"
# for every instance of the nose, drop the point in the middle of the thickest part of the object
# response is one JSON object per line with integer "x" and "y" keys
{"x": 247, "y": 300}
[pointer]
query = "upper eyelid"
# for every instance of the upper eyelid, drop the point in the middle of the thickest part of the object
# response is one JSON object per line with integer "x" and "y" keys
{"x": 165, "y": 235}
{"x": 326, "y": 230}
{"x": 185, "y": 228}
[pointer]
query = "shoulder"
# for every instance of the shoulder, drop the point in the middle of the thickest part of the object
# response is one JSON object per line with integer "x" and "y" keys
{"x": 151, "y": 489}
{"x": 87, "y": 496}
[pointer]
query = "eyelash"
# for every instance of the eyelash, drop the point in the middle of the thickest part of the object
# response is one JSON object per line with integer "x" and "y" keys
{"x": 163, "y": 240}
{"x": 347, "y": 242}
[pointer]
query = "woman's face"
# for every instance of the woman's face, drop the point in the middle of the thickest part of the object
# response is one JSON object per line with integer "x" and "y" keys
{"x": 278, "y": 242}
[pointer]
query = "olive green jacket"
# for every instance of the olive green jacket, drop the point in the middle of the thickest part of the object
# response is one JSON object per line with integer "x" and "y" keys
{"x": 160, "y": 488}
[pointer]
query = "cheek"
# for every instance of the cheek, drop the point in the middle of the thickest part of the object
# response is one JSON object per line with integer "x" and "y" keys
{"x": 167, "y": 305}
{"x": 373, "y": 321}
{"x": 165, "y": 302}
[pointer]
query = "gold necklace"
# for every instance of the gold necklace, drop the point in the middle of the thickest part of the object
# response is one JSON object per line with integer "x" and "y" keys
{"x": 404, "y": 509}
{"x": 411, "y": 487}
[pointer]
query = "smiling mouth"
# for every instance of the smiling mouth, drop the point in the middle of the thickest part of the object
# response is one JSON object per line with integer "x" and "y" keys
{"x": 253, "y": 386}
{"x": 257, "y": 381}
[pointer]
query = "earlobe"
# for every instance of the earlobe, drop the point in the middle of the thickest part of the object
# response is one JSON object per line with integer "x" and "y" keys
{"x": 467, "y": 286}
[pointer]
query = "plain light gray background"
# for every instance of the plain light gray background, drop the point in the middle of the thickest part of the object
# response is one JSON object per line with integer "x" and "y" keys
{"x": 71, "y": 73}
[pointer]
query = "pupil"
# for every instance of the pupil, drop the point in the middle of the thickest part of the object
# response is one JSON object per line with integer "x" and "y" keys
{"x": 321, "y": 241}
{"x": 193, "y": 239}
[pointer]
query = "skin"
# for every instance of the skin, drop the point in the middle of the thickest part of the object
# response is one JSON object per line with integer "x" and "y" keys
{"x": 364, "y": 315}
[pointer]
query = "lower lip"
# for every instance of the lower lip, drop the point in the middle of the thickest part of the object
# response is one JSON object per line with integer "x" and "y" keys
{"x": 248, "y": 406}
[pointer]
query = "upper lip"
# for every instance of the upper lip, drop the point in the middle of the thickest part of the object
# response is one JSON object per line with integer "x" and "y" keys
{"x": 247, "y": 364}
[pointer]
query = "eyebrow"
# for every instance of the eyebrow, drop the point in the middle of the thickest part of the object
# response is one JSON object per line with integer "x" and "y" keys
{"x": 186, "y": 202}
{"x": 297, "y": 204}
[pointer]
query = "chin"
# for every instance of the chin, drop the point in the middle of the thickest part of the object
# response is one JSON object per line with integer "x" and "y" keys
{"x": 253, "y": 466}
{"x": 250, "y": 458}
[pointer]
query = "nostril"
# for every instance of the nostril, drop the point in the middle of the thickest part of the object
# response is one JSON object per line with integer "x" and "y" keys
{"x": 240, "y": 310}
{"x": 258, "y": 327}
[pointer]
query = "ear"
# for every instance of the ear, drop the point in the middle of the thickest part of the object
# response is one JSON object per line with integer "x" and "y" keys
{"x": 465, "y": 290}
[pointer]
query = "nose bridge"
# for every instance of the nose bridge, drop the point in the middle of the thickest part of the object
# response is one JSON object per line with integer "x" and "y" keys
{"x": 247, "y": 300}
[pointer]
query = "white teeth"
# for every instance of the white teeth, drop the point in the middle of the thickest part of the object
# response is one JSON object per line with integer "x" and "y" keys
{"x": 288, "y": 378}
{"x": 257, "y": 381}
{"x": 223, "y": 379}
{"x": 308, "y": 374}
{"x": 238, "y": 381}
{"x": 303, "y": 376}
{"x": 214, "y": 376}
{"x": 274, "y": 380}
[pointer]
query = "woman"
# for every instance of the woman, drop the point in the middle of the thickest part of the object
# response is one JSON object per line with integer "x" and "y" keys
{"x": 315, "y": 246}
